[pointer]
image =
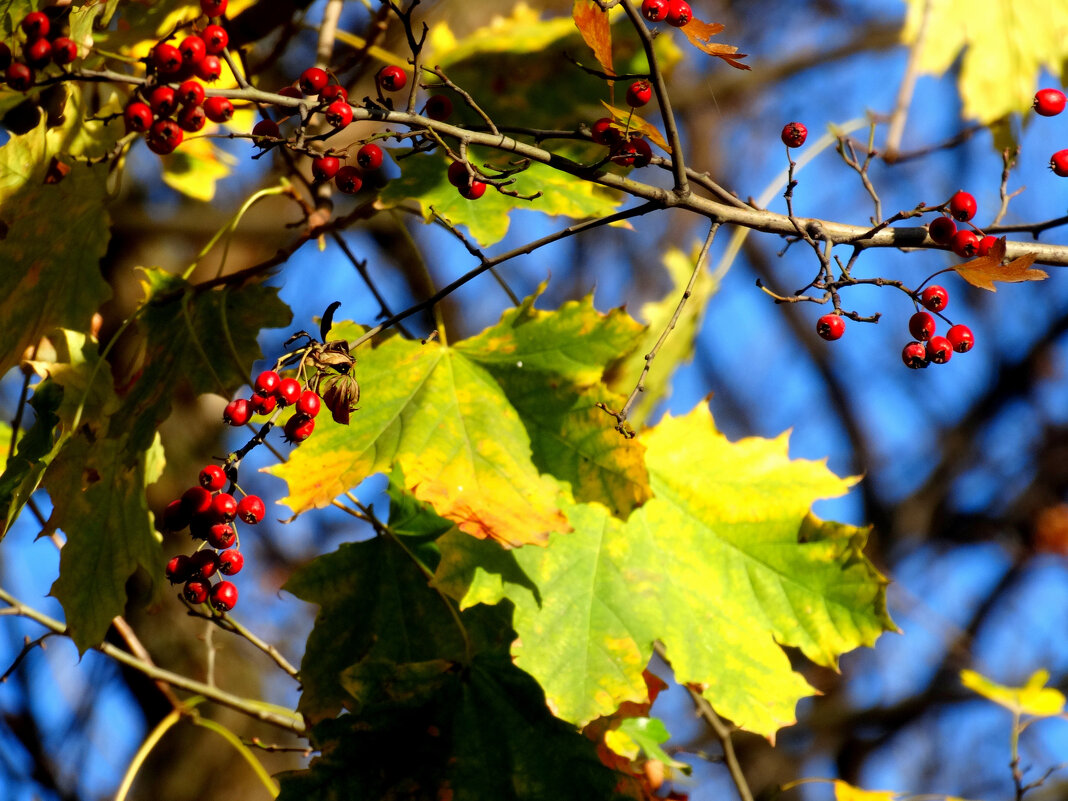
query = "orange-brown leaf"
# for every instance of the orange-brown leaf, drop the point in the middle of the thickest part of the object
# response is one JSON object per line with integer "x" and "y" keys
{"x": 985, "y": 270}
{"x": 592, "y": 23}
{"x": 626, "y": 116}
{"x": 700, "y": 35}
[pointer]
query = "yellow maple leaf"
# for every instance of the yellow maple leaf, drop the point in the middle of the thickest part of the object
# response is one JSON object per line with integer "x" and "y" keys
{"x": 1034, "y": 698}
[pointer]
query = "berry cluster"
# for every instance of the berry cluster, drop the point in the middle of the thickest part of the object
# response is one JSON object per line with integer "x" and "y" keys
{"x": 626, "y": 146}
{"x": 348, "y": 178}
{"x": 1050, "y": 103}
{"x": 929, "y": 348}
{"x": 676, "y": 13}
{"x": 271, "y": 392}
{"x": 45, "y": 43}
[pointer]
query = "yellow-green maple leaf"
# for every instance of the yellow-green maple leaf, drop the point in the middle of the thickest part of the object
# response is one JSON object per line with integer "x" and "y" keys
{"x": 1034, "y": 698}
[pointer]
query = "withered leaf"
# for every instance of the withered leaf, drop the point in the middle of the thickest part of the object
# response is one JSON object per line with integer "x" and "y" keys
{"x": 625, "y": 116}
{"x": 700, "y": 35}
{"x": 593, "y": 24}
{"x": 341, "y": 396}
{"x": 985, "y": 270}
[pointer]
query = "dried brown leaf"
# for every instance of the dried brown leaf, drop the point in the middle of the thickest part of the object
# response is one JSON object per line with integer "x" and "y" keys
{"x": 985, "y": 270}
{"x": 700, "y": 34}
{"x": 593, "y": 24}
{"x": 627, "y": 116}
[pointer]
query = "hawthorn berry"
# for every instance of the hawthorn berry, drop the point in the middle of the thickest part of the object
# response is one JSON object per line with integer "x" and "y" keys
{"x": 914, "y": 355}
{"x": 213, "y": 8}
{"x": 175, "y": 516}
{"x": 369, "y": 157}
{"x": 458, "y": 174}
{"x": 941, "y": 230}
{"x": 193, "y": 49}
{"x": 961, "y": 338}
{"x": 939, "y": 350}
{"x": 221, "y": 536}
{"x": 639, "y": 93}
{"x": 438, "y": 107}
{"x": 196, "y": 591}
{"x": 299, "y": 427}
{"x": 224, "y": 507}
{"x": 205, "y": 563}
{"x": 64, "y": 50}
{"x": 38, "y": 53}
{"x": 338, "y": 114}
{"x": 164, "y": 136}
{"x": 962, "y": 206}
{"x": 309, "y": 403}
{"x": 603, "y": 132}
{"x": 794, "y": 134}
{"x": 266, "y": 382}
{"x": 231, "y": 562}
{"x": 163, "y": 100}
{"x": 325, "y": 167}
{"x": 262, "y": 404}
{"x": 312, "y": 81}
{"x": 922, "y": 326}
{"x": 964, "y": 243}
{"x": 985, "y": 244}
{"x": 1058, "y": 162}
{"x": 223, "y": 596}
{"x": 209, "y": 69}
{"x": 179, "y": 569}
{"x": 191, "y": 93}
{"x": 267, "y": 129}
{"x": 654, "y": 10}
{"x": 138, "y": 117}
{"x": 831, "y": 326}
{"x": 5, "y": 56}
{"x": 934, "y": 298}
{"x": 251, "y": 509}
{"x": 348, "y": 180}
{"x": 633, "y": 153}
{"x": 166, "y": 58}
{"x": 19, "y": 76}
{"x": 333, "y": 92}
{"x": 35, "y": 25}
{"x": 288, "y": 391}
{"x": 1049, "y": 102}
{"x": 237, "y": 412}
{"x": 392, "y": 78}
{"x": 678, "y": 13}
{"x": 218, "y": 109}
{"x": 192, "y": 118}
{"x": 473, "y": 192}
{"x": 196, "y": 500}
{"x": 212, "y": 477}
{"x": 215, "y": 39}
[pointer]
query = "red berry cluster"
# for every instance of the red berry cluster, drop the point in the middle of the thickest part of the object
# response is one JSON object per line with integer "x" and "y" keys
{"x": 930, "y": 348}
{"x": 45, "y": 43}
{"x": 676, "y": 13}
{"x": 626, "y": 146}
{"x": 270, "y": 392}
{"x": 348, "y": 178}
{"x": 1050, "y": 103}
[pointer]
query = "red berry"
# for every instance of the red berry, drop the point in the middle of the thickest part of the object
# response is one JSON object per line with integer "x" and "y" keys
{"x": 35, "y": 25}
{"x": 266, "y": 382}
{"x": 603, "y": 132}
{"x": 5, "y": 56}
{"x": 213, "y": 477}
{"x": 175, "y": 517}
{"x": 191, "y": 93}
{"x": 262, "y": 404}
{"x": 213, "y": 8}
{"x": 221, "y": 536}
{"x": 209, "y": 69}
{"x": 309, "y": 403}
{"x": 1049, "y": 102}
{"x": 678, "y": 13}
{"x": 164, "y": 136}
{"x": 831, "y": 326}
{"x": 392, "y": 78}
{"x": 196, "y": 591}
{"x": 962, "y": 206}
{"x": 19, "y": 76}
{"x": 964, "y": 243}
{"x": 1058, "y": 162}
{"x": 218, "y": 109}
{"x": 215, "y": 39}
{"x": 163, "y": 100}
{"x": 635, "y": 153}
{"x": 914, "y": 355}
{"x": 196, "y": 500}
{"x": 224, "y": 507}
{"x": 38, "y": 53}
{"x": 338, "y": 114}
{"x": 288, "y": 391}
{"x": 922, "y": 326}
{"x": 473, "y": 192}
{"x": 985, "y": 244}
{"x": 333, "y": 92}
{"x": 205, "y": 563}
{"x": 439, "y": 107}
{"x": 138, "y": 117}
{"x": 267, "y": 129}
{"x": 458, "y": 174}
{"x": 794, "y": 134}
{"x": 237, "y": 412}
{"x": 193, "y": 49}
{"x": 251, "y": 509}
{"x": 231, "y": 562}
{"x": 166, "y": 58}
{"x": 64, "y": 51}
{"x": 348, "y": 180}
{"x": 179, "y": 569}
{"x": 325, "y": 167}
{"x": 369, "y": 157}
{"x": 934, "y": 298}
{"x": 654, "y": 10}
{"x": 639, "y": 93}
{"x": 961, "y": 338}
{"x": 941, "y": 230}
{"x": 939, "y": 350}
{"x": 312, "y": 81}
{"x": 299, "y": 427}
{"x": 192, "y": 118}
{"x": 223, "y": 596}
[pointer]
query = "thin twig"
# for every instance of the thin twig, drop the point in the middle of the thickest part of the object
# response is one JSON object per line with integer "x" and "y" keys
{"x": 360, "y": 266}
{"x": 436, "y": 70}
{"x": 227, "y": 623}
{"x": 476, "y": 252}
{"x": 908, "y": 85}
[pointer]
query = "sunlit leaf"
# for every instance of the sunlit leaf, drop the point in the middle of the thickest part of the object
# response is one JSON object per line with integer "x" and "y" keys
{"x": 628, "y": 120}
{"x": 985, "y": 270}
{"x": 1034, "y": 698}
{"x": 596, "y": 31}
{"x": 649, "y": 734}
{"x": 700, "y": 35}
{"x": 195, "y": 168}
{"x": 843, "y": 791}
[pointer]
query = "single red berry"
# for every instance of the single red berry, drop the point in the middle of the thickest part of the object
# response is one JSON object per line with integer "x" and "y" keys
{"x": 5, "y": 56}
{"x": 179, "y": 569}
{"x": 309, "y": 403}
{"x": 38, "y": 54}
{"x": 267, "y": 129}
{"x": 163, "y": 100}
{"x": 200, "y": 525}
{"x": 1049, "y": 102}
{"x": 961, "y": 338}
{"x": 266, "y": 382}
{"x": 392, "y": 78}
{"x": 251, "y": 509}
{"x": 1058, "y": 162}
{"x": 941, "y": 230}
{"x": 35, "y": 25}
{"x": 205, "y": 563}
{"x": 333, "y": 92}
{"x": 218, "y": 109}
{"x": 231, "y": 562}
{"x": 262, "y": 404}
{"x": 192, "y": 118}
{"x": 439, "y": 107}
{"x": 164, "y": 136}
{"x": 642, "y": 152}
{"x": 325, "y": 167}
{"x": 175, "y": 517}
{"x": 138, "y": 117}
{"x": 237, "y": 412}
{"x": 221, "y": 536}
{"x": 962, "y": 206}
{"x": 196, "y": 591}
{"x": 369, "y": 157}
{"x": 914, "y": 355}
{"x": 64, "y": 50}
{"x": 224, "y": 507}
{"x": 922, "y": 326}
{"x": 299, "y": 427}
{"x": 654, "y": 10}
{"x": 831, "y": 326}
{"x": 794, "y": 134}
{"x": 191, "y": 93}
{"x": 603, "y": 132}
{"x": 288, "y": 391}
{"x": 166, "y": 58}
{"x": 193, "y": 49}
{"x": 338, "y": 114}
{"x": 458, "y": 174}
{"x": 212, "y": 477}
{"x": 964, "y": 243}
{"x": 985, "y": 244}
{"x": 312, "y": 81}
{"x": 213, "y": 8}
{"x": 678, "y": 13}
{"x": 196, "y": 500}
{"x": 209, "y": 69}
{"x": 348, "y": 180}
{"x": 473, "y": 192}
{"x": 639, "y": 93}
{"x": 934, "y": 298}
{"x": 939, "y": 350}
{"x": 223, "y": 596}
{"x": 215, "y": 39}
{"x": 19, "y": 76}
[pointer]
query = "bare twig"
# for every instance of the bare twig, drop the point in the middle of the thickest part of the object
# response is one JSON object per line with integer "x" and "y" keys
{"x": 905, "y": 90}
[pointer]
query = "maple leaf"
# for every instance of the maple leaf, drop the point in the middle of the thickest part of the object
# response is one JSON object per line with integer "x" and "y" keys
{"x": 593, "y": 24}
{"x": 700, "y": 35}
{"x": 985, "y": 270}
{"x": 628, "y": 120}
